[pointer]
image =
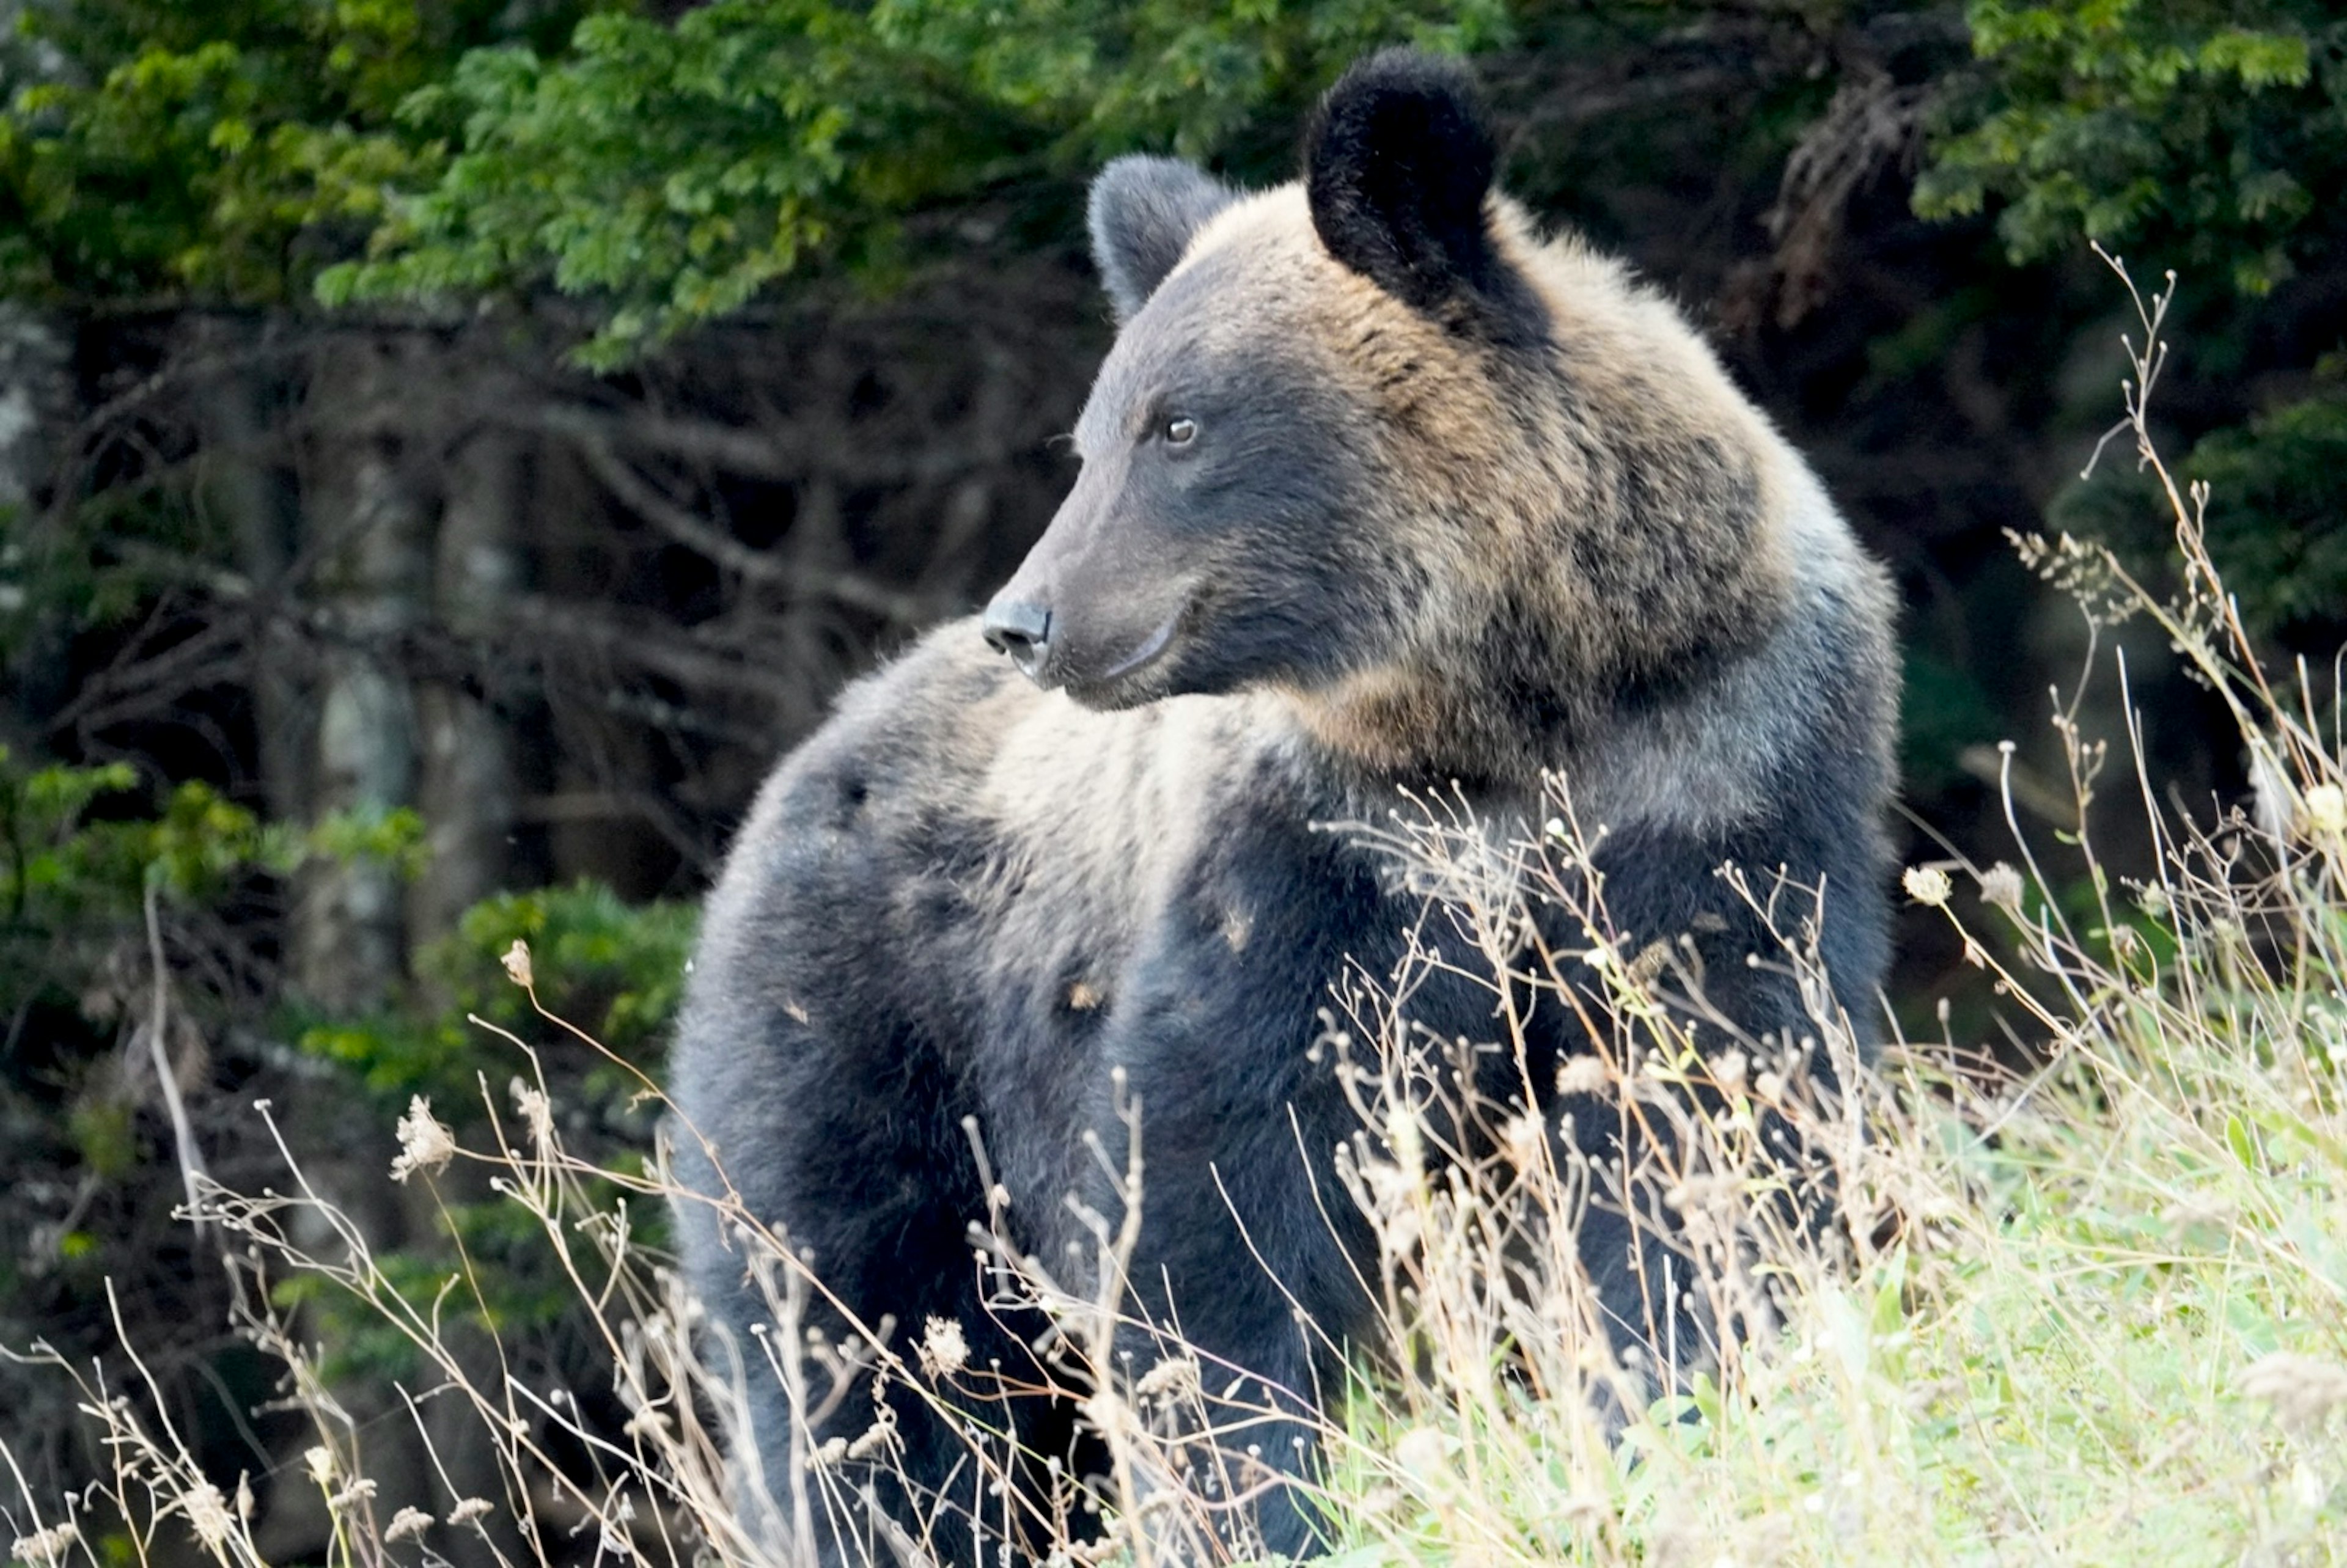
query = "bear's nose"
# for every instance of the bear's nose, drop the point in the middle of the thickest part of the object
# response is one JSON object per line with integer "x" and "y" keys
{"x": 1021, "y": 629}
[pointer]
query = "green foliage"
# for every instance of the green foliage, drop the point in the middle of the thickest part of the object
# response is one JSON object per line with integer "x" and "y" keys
{"x": 613, "y": 968}
{"x": 97, "y": 865}
{"x": 80, "y": 853}
{"x": 66, "y": 875}
{"x": 2214, "y": 136}
{"x": 2281, "y": 533}
{"x": 675, "y": 170}
{"x": 102, "y": 1133}
{"x": 192, "y": 848}
{"x": 1946, "y": 712}
{"x": 152, "y": 148}
{"x": 220, "y": 148}
{"x": 156, "y": 149}
{"x": 41, "y": 814}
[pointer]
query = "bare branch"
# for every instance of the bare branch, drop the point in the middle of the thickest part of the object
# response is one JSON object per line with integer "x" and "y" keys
{"x": 703, "y": 538}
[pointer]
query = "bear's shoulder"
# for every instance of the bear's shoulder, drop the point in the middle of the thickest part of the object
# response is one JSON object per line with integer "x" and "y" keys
{"x": 945, "y": 765}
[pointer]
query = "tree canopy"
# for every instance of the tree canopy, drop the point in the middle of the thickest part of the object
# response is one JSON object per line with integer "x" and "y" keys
{"x": 2214, "y": 134}
{"x": 670, "y": 168}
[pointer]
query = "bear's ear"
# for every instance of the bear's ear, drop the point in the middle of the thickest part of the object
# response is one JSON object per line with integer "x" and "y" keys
{"x": 1397, "y": 165}
{"x": 1142, "y": 212}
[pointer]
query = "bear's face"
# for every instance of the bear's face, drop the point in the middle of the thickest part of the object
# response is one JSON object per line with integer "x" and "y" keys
{"x": 1212, "y": 539}
{"x": 1254, "y": 505}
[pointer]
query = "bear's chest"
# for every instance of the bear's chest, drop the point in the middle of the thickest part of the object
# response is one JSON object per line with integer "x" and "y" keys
{"x": 1203, "y": 972}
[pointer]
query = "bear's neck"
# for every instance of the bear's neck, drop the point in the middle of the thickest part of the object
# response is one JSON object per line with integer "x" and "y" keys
{"x": 1505, "y": 742}
{"x": 1419, "y": 731}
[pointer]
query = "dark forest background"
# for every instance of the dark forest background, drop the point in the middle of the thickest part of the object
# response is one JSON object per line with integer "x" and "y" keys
{"x": 448, "y": 451}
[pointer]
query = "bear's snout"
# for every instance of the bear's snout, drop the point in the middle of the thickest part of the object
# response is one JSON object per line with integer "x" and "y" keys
{"x": 1022, "y": 630}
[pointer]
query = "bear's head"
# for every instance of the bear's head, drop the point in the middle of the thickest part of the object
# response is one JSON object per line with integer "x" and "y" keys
{"x": 1216, "y": 536}
{"x": 1358, "y": 441}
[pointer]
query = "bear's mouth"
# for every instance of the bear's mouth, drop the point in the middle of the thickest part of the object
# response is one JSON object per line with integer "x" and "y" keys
{"x": 1125, "y": 684}
{"x": 1153, "y": 648}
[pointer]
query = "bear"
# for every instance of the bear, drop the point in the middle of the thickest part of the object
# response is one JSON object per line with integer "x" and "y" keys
{"x": 1381, "y": 491}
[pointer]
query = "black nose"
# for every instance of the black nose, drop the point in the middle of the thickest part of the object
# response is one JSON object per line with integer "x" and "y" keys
{"x": 1022, "y": 630}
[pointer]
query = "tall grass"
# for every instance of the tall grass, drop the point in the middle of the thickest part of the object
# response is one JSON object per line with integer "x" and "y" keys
{"x": 2090, "y": 1311}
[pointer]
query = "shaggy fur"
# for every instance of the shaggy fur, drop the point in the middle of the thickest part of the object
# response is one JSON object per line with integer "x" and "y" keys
{"x": 1379, "y": 490}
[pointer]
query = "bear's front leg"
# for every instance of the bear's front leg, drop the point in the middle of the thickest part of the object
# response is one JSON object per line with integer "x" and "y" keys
{"x": 866, "y": 1179}
{"x": 1242, "y": 1268}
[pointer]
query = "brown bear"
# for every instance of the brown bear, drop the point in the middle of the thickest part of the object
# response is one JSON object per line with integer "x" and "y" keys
{"x": 1381, "y": 491}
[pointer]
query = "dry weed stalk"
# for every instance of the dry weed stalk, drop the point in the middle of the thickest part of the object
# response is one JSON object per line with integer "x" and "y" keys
{"x": 1501, "y": 1393}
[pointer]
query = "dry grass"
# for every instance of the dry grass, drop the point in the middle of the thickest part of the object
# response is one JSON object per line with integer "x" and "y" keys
{"x": 2096, "y": 1312}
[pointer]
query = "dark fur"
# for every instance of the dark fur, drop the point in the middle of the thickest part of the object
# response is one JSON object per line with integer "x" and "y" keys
{"x": 1398, "y": 168}
{"x": 1450, "y": 507}
{"x": 1142, "y": 214}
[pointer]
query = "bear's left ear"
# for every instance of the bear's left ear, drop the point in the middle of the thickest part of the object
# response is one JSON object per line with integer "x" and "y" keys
{"x": 1398, "y": 168}
{"x": 1143, "y": 213}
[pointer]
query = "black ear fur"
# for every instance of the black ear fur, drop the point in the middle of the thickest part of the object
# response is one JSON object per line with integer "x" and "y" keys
{"x": 1142, "y": 213}
{"x": 1397, "y": 165}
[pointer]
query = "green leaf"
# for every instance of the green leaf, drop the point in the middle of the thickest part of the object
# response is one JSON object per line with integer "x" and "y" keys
{"x": 2237, "y": 1139}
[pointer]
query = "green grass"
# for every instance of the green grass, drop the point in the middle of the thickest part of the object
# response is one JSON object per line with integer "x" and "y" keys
{"x": 2068, "y": 1356}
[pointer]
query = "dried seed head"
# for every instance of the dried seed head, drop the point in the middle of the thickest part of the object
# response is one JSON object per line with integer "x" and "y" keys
{"x": 363, "y": 1490}
{"x": 1176, "y": 1377}
{"x": 207, "y": 1514}
{"x": 516, "y": 963}
{"x": 1927, "y": 884}
{"x": 2326, "y": 812}
{"x": 1525, "y": 1136}
{"x": 1405, "y": 1138}
{"x": 1582, "y": 1075}
{"x": 406, "y": 1523}
{"x": 876, "y": 1436}
{"x": 944, "y": 1350}
{"x": 2000, "y": 888}
{"x": 45, "y": 1547}
{"x": 1425, "y": 1455}
{"x": 1110, "y": 1416}
{"x": 423, "y": 1146}
{"x": 2271, "y": 796}
{"x": 536, "y": 1112}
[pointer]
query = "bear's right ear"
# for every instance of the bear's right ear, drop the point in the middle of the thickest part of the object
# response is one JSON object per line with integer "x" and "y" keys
{"x": 1143, "y": 213}
{"x": 1398, "y": 168}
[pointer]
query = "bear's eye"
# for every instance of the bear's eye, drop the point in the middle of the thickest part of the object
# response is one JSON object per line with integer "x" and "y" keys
{"x": 1180, "y": 430}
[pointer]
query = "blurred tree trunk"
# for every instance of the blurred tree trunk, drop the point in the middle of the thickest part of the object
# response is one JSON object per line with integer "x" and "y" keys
{"x": 469, "y": 787}
{"x": 244, "y": 481}
{"x": 370, "y": 430}
{"x": 369, "y": 521}
{"x": 467, "y": 790}
{"x": 37, "y": 405}
{"x": 35, "y": 393}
